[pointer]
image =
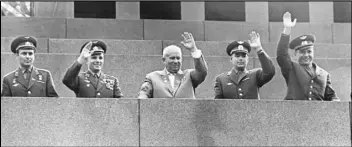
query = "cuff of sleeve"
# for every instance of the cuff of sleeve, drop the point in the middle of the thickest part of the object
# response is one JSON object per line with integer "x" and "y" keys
{"x": 260, "y": 51}
{"x": 196, "y": 54}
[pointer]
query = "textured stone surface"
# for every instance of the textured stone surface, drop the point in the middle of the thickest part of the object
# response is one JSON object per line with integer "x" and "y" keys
{"x": 180, "y": 122}
{"x": 322, "y": 50}
{"x": 69, "y": 122}
{"x": 42, "y": 44}
{"x": 339, "y": 69}
{"x": 223, "y": 31}
{"x": 140, "y": 47}
{"x": 323, "y": 32}
{"x": 257, "y": 12}
{"x": 321, "y": 12}
{"x": 341, "y": 33}
{"x": 127, "y": 10}
{"x": 209, "y": 48}
{"x": 54, "y": 9}
{"x": 297, "y": 9}
{"x": 33, "y": 26}
{"x": 172, "y": 29}
{"x": 79, "y": 28}
{"x": 192, "y": 11}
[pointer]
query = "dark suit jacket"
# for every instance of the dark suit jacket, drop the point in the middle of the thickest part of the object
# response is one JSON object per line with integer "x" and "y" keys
{"x": 157, "y": 83}
{"x": 40, "y": 84}
{"x": 248, "y": 84}
{"x": 83, "y": 84}
{"x": 300, "y": 84}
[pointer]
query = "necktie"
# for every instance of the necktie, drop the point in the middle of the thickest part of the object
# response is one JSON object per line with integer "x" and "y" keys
{"x": 26, "y": 74}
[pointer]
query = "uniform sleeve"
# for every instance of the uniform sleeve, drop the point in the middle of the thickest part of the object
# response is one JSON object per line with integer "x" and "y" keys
{"x": 6, "y": 90}
{"x": 201, "y": 70}
{"x": 50, "y": 88}
{"x": 71, "y": 76}
{"x": 146, "y": 90}
{"x": 117, "y": 89}
{"x": 330, "y": 94}
{"x": 218, "y": 88}
{"x": 283, "y": 58}
{"x": 268, "y": 69}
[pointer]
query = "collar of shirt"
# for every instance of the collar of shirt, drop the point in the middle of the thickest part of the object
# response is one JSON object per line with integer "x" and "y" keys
{"x": 98, "y": 74}
{"x": 169, "y": 73}
{"x": 24, "y": 69}
{"x": 239, "y": 72}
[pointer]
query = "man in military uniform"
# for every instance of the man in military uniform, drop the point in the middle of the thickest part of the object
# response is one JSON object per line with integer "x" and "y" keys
{"x": 240, "y": 83}
{"x": 172, "y": 82}
{"x": 92, "y": 83}
{"x": 305, "y": 80}
{"x": 27, "y": 80}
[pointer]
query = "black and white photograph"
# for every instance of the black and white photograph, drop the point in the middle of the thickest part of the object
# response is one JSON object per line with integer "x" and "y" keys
{"x": 176, "y": 73}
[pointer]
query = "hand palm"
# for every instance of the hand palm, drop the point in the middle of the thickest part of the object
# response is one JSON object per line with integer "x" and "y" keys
{"x": 287, "y": 20}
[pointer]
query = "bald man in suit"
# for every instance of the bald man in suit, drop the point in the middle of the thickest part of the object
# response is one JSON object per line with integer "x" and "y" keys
{"x": 172, "y": 82}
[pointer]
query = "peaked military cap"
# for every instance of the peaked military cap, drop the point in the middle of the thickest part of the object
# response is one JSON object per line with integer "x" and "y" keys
{"x": 24, "y": 42}
{"x": 238, "y": 46}
{"x": 95, "y": 45}
{"x": 302, "y": 42}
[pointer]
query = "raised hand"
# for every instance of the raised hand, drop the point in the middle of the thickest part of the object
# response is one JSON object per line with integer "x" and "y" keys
{"x": 287, "y": 20}
{"x": 189, "y": 42}
{"x": 255, "y": 40}
{"x": 86, "y": 52}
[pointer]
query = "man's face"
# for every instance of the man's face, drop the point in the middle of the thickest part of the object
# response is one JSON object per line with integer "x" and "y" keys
{"x": 239, "y": 60}
{"x": 96, "y": 62}
{"x": 25, "y": 57}
{"x": 173, "y": 61}
{"x": 305, "y": 56}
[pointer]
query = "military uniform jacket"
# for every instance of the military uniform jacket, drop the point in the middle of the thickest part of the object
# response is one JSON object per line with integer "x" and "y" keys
{"x": 84, "y": 84}
{"x": 40, "y": 84}
{"x": 247, "y": 84}
{"x": 158, "y": 85}
{"x": 300, "y": 84}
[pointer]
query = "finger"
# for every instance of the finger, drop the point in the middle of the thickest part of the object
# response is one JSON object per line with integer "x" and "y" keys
{"x": 191, "y": 36}
{"x": 258, "y": 36}
{"x": 88, "y": 45}
{"x": 184, "y": 36}
{"x": 187, "y": 35}
{"x": 183, "y": 43}
{"x": 294, "y": 21}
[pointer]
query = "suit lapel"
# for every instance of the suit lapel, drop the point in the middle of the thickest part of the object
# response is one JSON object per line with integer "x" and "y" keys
{"x": 166, "y": 81}
{"x": 318, "y": 70}
{"x": 33, "y": 76}
{"x": 20, "y": 78}
{"x": 243, "y": 76}
{"x": 92, "y": 79}
{"x": 237, "y": 78}
{"x": 101, "y": 82}
{"x": 178, "y": 80}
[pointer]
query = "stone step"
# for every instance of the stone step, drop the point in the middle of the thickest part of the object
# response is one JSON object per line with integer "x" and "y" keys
{"x": 155, "y": 47}
{"x": 131, "y": 71}
{"x": 79, "y": 28}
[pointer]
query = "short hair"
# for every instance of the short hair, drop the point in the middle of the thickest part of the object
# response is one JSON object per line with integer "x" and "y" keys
{"x": 171, "y": 48}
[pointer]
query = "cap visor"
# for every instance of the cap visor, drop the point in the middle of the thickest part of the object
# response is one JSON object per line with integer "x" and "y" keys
{"x": 303, "y": 47}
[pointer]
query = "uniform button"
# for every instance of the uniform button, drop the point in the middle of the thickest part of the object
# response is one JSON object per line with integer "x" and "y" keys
{"x": 239, "y": 89}
{"x": 29, "y": 92}
{"x": 311, "y": 86}
{"x": 310, "y": 99}
{"x": 98, "y": 93}
{"x": 310, "y": 93}
{"x": 241, "y": 94}
{"x": 312, "y": 81}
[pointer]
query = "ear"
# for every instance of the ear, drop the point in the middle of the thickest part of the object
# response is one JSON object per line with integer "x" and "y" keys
{"x": 163, "y": 59}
